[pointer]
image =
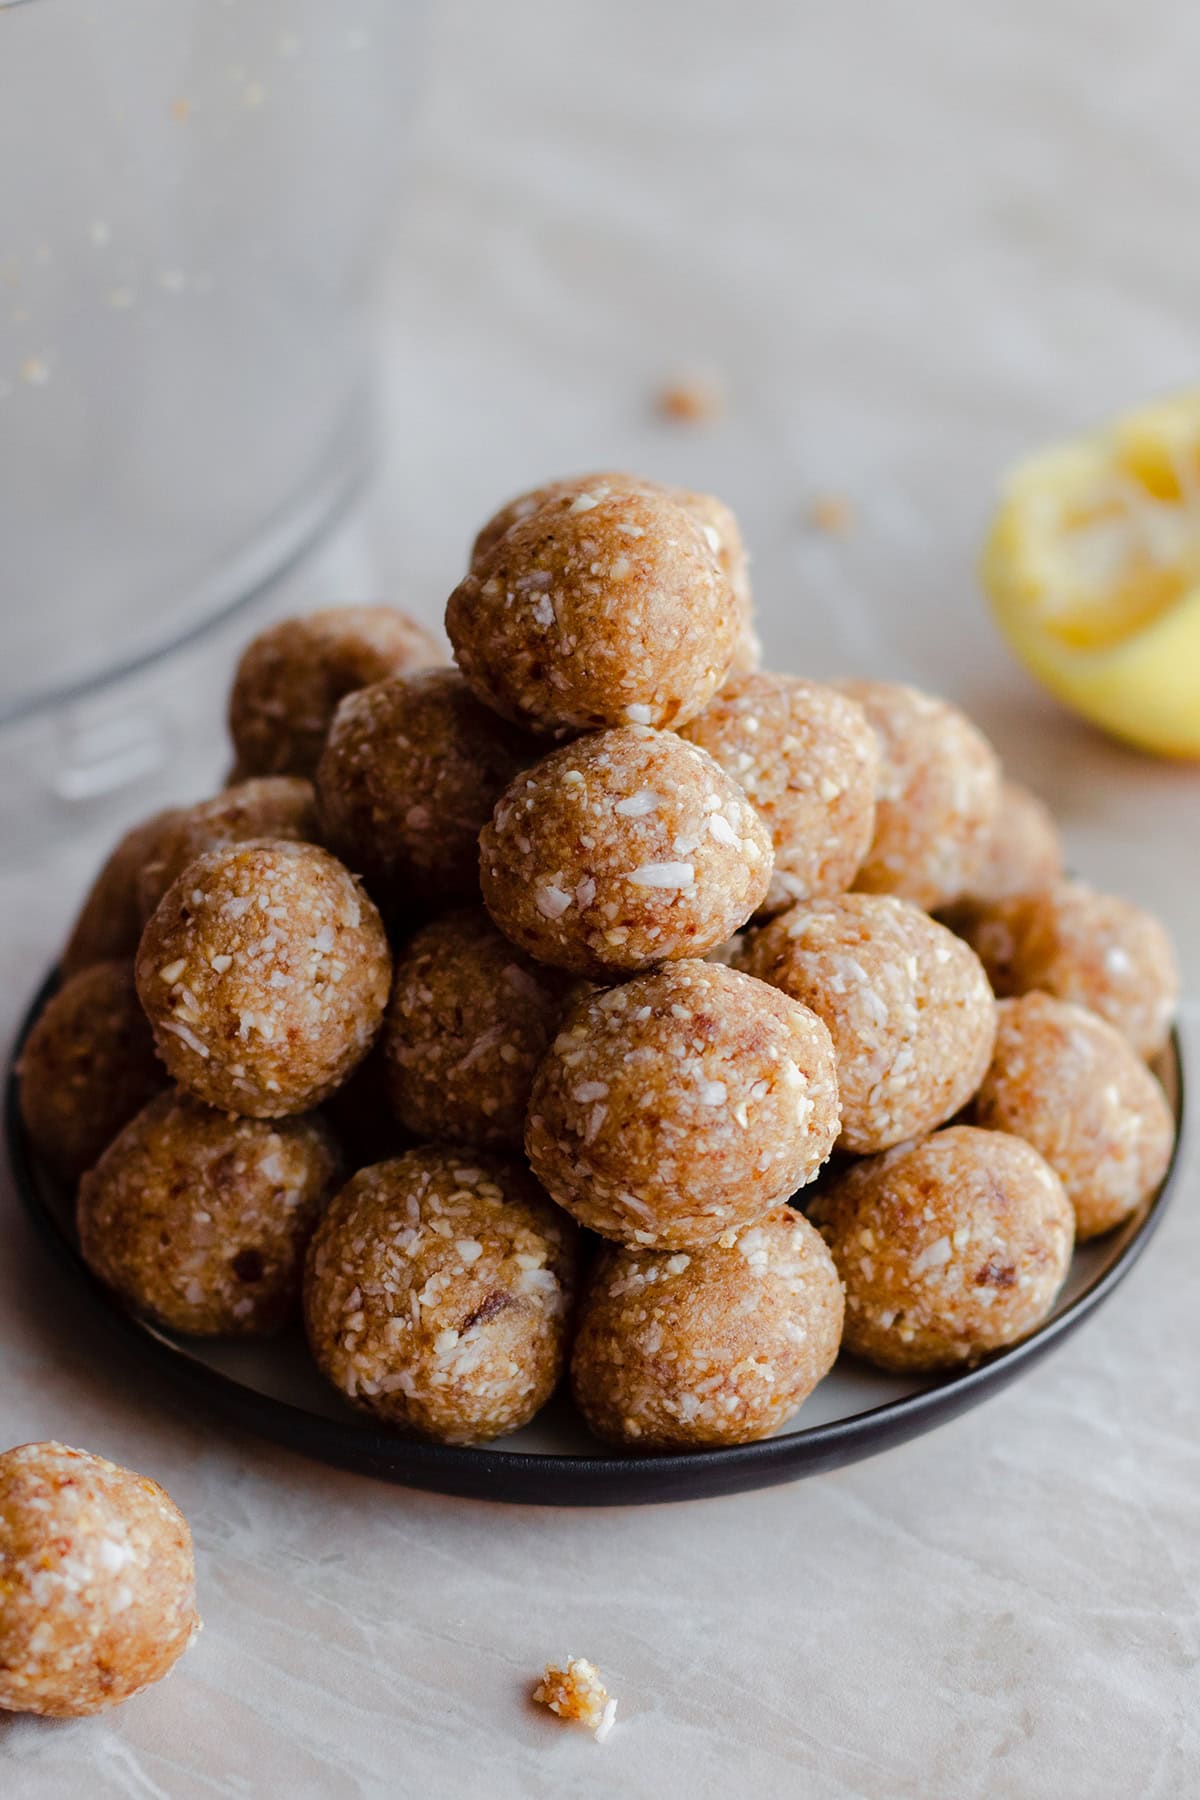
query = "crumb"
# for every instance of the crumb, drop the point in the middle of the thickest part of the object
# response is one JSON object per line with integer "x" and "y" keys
{"x": 578, "y": 1695}
{"x": 833, "y": 513}
{"x": 692, "y": 400}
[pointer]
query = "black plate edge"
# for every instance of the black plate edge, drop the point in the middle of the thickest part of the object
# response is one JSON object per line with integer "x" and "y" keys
{"x": 529, "y": 1478}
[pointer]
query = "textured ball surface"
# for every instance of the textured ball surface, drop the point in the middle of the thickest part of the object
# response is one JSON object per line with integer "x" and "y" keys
{"x": 87, "y": 1066}
{"x": 939, "y": 792}
{"x": 264, "y": 972}
{"x": 682, "y": 1104}
{"x": 907, "y": 1003}
{"x": 269, "y": 806}
{"x": 201, "y": 1220}
{"x": 621, "y": 850}
{"x": 437, "y": 1294}
{"x": 97, "y": 1582}
{"x": 808, "y": 762}
{"x": 410, "y": 774}
{"x": 293, "y": 675}
{"x": 948, "y": 1249}
{"x": 722, "y": 1345}
{"x": 597, "y": 609}
{"x": 1068, "y": 1083}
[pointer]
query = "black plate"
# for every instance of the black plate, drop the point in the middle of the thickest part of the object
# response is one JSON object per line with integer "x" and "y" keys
{"x": 272, "y": 1390}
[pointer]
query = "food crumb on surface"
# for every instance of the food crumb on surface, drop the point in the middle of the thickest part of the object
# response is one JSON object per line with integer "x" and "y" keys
{"x": 691, "y": 400}
{"x": 833, "y": 513}
{"x": 578, "y": 1696}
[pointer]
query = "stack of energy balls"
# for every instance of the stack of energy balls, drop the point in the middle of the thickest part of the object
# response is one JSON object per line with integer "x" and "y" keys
{"x": 496, "y": 1013}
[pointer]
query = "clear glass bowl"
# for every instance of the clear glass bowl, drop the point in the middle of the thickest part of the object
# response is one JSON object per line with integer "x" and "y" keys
{"x": 196, "y": 196}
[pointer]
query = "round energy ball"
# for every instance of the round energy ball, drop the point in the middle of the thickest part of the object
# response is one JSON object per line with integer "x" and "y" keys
{"x": 682, "y": 1104}
{"x": 907, "y": 1003}
{"x": 469, "y": 1020}
{"x": 948, "y": 1249}
{"x": 1101, "y": 952}
{"x": 292, "y": 676}
{"x": 264, "y": 972}
{"x": 269, "y": 806}
{"x": 110, "y": 920}
{"x": 87, "y": 1066}
{"x": 97, "y": 1578}
{"x": 1069, "y": 1084}
{"x": 808, "y": 762}
{"x": 718, "y": 522}
{"x": 620, "y": 850}
{"x": 597, "y": 611}
{"x": 939, "y": 792}
{"x": 1024, "y": 852}
{"x": 201, "y": 1221}
{"x": 411, "y": 772}
{"x": 437, "y": 1294}
{"x": 722, "y": 1345}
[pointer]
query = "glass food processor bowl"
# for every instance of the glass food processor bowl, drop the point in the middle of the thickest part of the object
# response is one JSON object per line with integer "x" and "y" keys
{"x": 196, "y": 195}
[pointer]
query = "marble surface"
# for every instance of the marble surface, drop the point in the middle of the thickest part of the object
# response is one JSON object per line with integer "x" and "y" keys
{"x": 909, "y": 241}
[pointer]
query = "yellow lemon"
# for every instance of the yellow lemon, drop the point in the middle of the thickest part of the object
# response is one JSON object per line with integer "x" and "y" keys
{"x": 1092, "y": 566}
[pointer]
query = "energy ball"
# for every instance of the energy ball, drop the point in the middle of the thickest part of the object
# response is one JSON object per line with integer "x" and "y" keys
{"x": 808, "y": 762}
{"x": 1101, "y": 952}
{"x": 293, "y": 675}
{"x": 270, "y": 806}
{"x": 411, "y": 772}
{"x": 623, "y": 849}
{"x": 1024, "y": 852}
{"x": 597, "y": 610}
{"x": 939, "y": 792}
{"x": 437, "y": 1294}
{"x": 264, "y": 972}
{"x": 1069, "y": 1084}
{"x": 110, "y": 920}
{"x": 722, "y": 1345}
{"x": 948, "y": 1249}
{"x": 907, "y": 1003}
{"x": 201, "y": 1221}
{"x": 87, "y": 1066}
{"x": 718, "y": 522}
{"x": 681, "y": 1105}
{"x": 97, "y": 1580}
{"x": 469, "y": 1020}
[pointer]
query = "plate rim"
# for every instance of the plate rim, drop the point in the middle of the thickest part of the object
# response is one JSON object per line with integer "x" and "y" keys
{"x": 529, "y": 1477}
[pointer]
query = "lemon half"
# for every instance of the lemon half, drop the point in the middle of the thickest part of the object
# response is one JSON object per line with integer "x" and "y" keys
{"x": 1092, "y": 566}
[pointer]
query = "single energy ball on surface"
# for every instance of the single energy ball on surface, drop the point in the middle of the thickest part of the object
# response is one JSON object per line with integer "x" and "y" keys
{"x": 97, "y": 1582}
{"x": 682, "y": 1104}
{"x": 87, "y": 1066}
{"x": 469, "y": 1020}
{"x": 437, "y": 1293}
{"x": 110, "y": 921}
{"x": 623, "y": 849}
{"x": 948, "y": 1248}
{"x": 1070, "y": 941}
{"x": 1024, "y": 852}
{"x": 264, "y": 972}
{"x": 201, "y": 1220}
{"x": 410, "y": 774}
{"x": 808, "y": 762}
{"x": 717, "y": 521}
{"x": 1068, "y": 1083}
{"x": 597, "y": 610}
{"x": 293, "y": 675}
{"x": 681, "y": 1350}
{"x": 270, "y": 806}
{"x": 939, "y": 792}
{"x": 907, "y": 1003}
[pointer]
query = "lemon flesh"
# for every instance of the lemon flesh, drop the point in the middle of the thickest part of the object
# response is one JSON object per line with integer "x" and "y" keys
{"x": 1092, "y": 566}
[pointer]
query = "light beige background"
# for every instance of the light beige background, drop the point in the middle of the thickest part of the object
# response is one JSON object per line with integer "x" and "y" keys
{"x": 910, "y": 240}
